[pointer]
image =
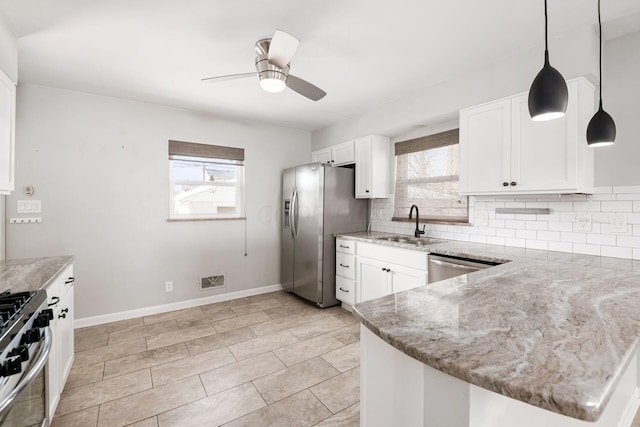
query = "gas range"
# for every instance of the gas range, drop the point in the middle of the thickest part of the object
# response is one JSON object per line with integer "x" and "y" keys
{"x": 25, "y": 341}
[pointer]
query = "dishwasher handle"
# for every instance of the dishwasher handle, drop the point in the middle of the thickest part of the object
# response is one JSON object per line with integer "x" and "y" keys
{"x": 452, "y": 265}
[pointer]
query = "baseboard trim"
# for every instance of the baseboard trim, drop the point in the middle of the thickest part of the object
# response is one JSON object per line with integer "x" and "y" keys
{"x": 163, "y": 308}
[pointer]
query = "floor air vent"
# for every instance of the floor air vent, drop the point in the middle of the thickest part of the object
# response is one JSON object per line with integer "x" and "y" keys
{"x": 211, "y": 282}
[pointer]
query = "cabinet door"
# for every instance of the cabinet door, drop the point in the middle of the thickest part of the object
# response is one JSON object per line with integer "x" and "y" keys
{"x": 485, "y": 158}
{"x": 373, "y": 279}
{"x": 7, "y": 122}
{"x": 65, "y": 332}
{"x": 363, "y": 168}
{"x": 321, "y": 156}
{"x": 543, "y": 154}
{"x": 342, "y": 154}
{"x": 403, "y": 278}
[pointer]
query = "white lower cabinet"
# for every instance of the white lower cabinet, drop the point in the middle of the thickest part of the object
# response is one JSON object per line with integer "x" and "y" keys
{"x": 376, "y": 270}
{"x": 60, "y": 298}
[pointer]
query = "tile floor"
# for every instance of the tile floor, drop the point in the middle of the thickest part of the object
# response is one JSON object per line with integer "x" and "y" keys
{"x": 265, "y": 360}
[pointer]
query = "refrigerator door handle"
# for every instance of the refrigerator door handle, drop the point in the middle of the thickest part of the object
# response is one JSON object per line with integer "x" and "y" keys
{"x": 292, "y": 213}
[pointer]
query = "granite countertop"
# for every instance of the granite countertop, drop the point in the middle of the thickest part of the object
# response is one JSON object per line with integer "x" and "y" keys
{"x": 31, "y": 274}
{"x": 555, "y": 330}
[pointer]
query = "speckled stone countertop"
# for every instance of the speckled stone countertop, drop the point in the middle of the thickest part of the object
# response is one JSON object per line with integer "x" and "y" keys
{"x": 31, "y": 274}
{"x": 555, "y": 330}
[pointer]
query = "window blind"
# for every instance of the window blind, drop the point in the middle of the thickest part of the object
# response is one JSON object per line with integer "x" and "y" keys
{"x": 191, "y": 149}
{"x": 437, "y": 140}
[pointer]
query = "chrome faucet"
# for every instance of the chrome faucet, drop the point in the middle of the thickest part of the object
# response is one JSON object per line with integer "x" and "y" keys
{"x": 418, "y": 232}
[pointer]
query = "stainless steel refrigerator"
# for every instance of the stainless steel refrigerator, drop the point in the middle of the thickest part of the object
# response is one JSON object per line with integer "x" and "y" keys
{"x": 318, "y": 201}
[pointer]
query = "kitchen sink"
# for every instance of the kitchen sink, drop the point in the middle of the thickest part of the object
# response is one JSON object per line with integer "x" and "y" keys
{"x": 418, "y": 241}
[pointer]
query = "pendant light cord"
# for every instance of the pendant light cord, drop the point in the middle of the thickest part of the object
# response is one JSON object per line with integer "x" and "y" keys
{"x": 600, "y": 65}
{"x": 546, "y": 37}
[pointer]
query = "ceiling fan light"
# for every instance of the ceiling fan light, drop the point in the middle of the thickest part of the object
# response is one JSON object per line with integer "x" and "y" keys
{"x": 548, "y": 96}
{"x": 601, "y": 130}
{"x": 272, "y": 85}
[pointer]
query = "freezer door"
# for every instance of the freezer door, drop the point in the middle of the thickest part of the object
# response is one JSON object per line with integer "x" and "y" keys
{"x": 308, "y": 214}
{"x": 286, "y": 231}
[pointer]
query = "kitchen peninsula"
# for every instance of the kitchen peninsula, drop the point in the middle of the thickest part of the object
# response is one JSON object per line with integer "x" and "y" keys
{"x": 556, "y": 331}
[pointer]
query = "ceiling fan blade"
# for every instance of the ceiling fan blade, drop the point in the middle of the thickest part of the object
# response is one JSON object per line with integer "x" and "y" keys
{"x": 305, "y": 88}
{"x": 282, "y": 48}
{"x": 229, "y": 77}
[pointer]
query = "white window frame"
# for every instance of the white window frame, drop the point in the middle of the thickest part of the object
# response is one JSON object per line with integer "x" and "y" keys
{"x": 239, "y": 185}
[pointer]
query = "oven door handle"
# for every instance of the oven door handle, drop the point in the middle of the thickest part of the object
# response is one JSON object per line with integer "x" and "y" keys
{"x": 34, "y": 370}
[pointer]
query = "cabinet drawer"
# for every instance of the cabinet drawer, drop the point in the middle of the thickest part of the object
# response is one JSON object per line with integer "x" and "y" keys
{"x": 345, "y": 290}
{"x": 405, "y": 257}
{"x": 346, "y": 265}
{"x": 346, "y": 246}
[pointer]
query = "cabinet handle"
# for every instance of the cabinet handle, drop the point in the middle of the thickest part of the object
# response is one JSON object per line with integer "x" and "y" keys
{"x": 346, "y": 247}
{"x": 333, "y": 161}
{"x": 55, "y": 301}
{"x": 505, "y": 184}
{"x": 62, "y": 316}
{"x": 386, "y": 269}
{"x": 344, "y": 290}
{"x": 65, "y": 310}
{"x": 514, "y": 183}
{"x": 71, "y": 280}
{"x": 342, "y": 265}
{"x": 366, "y": 191}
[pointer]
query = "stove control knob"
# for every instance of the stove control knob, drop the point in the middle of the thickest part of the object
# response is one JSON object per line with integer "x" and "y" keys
{"x": 42, "y": 321}
{"x": 48, "y": 313}
{"x": 11, "y": 367}
{"x": 22, "y": 351}
{"x": 31, "y": 336}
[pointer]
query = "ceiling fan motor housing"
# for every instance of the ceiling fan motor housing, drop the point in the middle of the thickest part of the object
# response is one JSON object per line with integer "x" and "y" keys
{"x": 269, "y": 71}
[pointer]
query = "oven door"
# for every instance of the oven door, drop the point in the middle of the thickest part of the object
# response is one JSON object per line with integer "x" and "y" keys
{"x": 23, "y": 402}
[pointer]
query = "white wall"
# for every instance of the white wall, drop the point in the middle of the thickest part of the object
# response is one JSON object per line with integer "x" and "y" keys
{"x": 618, "y": 164}
{"x": 100, "y": 167}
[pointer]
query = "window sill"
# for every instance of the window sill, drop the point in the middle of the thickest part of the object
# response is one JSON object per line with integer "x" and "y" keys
{"x": 434, "y": 221}
{"x": 242, "y": 218}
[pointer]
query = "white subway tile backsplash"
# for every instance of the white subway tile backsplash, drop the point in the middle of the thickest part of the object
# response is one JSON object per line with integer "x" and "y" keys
{"x": 618, "y": 206}
{"x": 536, "y": 244}
{"x": 526, "y": 234}
{"x": 579, "y": 248}
{"x": 601, "y": 239}
{"x": 548, "y": 235}
{"x": 536, "y": 225}
{"x": 616, "y": 252}
{"x": 560, "y": 246}
{"x": 573, "y": 237}
{"x": 560, "y": 226}
{"x": 520, "y": 243}
{"x": 629, "y": 241}
{"x": 555, "y": 232}
{"x": 586, "y": 206}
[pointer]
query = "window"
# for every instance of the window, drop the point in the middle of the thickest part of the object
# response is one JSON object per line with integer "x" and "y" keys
{"x": 427, "y": 171}
{"x": 207, "y": 181}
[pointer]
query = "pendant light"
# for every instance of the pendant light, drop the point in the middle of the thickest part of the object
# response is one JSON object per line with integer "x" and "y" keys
{"x": 548, "y": 95}
{"x": 601, "y": 130}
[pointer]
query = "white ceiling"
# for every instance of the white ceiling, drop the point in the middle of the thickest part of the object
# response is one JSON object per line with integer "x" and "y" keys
{"x": 363, "y": 53}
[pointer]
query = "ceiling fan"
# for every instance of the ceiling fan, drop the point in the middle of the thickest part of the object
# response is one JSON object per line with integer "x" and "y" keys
{"x": 272, "y": 67}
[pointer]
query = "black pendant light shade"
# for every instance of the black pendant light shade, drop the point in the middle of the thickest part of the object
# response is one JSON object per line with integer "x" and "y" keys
{"x": 602, "y": 129}
{"x": 548, "y": 96}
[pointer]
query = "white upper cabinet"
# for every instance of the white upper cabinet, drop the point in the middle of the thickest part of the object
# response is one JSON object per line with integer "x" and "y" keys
{"x": 336, "y": 155}
{"x": 503, "y": 151}
{"x": 7, "y": 133}
{"x": 373, "y": 164}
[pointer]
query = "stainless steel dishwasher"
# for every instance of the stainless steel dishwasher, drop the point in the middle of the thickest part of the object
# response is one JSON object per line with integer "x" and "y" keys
{"x": 445, "y": 266}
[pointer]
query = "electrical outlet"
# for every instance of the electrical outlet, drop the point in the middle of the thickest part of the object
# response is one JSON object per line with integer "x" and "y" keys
{"x": 618, "y": 223}
{"x": 168, "y": 286}
{"x": 482, "y": 218}
{"x": 583, "y": 222}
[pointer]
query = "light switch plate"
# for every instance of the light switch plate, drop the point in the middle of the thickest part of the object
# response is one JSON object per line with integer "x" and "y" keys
{"x": 29, "y": 206}
{"x": 583, "y": 222}
{"x": 618, "y": 223}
